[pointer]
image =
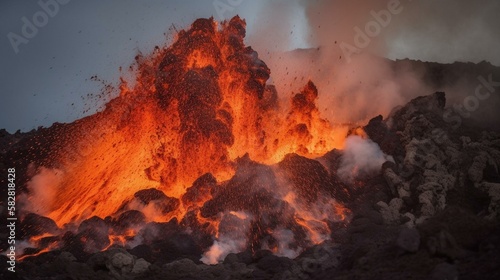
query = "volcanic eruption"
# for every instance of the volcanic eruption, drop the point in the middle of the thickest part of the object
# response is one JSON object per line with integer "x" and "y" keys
{"x": 187, "y": 144}
{"x": 201, "y": 160}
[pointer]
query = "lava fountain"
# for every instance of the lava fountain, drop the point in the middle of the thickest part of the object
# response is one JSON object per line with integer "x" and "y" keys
{"x": 199, "y": 141}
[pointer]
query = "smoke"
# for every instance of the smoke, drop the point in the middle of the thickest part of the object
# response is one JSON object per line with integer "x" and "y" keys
{"x": 233, "y": 230}
{"x": 273, "y": 31}
{"x": 361, "y": 157}
{"x": 42, "y": 191}
{"x": 285, "y": 238}
{"x": 347, "y": 91}
{"x": 422, "y": 29}
{"x": 152, "y": 211}
{"x": 448, "y": 31}
{"x": 348, "y": 81}
{"x": 349, "y": 40}
{"x": 352, "y": 80}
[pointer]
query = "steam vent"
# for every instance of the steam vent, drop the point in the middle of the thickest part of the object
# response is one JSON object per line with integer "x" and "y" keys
{"x": 202, "y": 169}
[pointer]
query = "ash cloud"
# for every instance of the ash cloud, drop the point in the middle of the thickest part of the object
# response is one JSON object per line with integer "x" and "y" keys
{"x": 440, "y": 31}
{"x": 448, "y": 31}
{"x": 348, "y": 84}
{"x": 357, "y": 85}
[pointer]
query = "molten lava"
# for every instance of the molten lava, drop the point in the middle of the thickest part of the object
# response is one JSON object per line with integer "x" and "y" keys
{"x": 181, "y": 138}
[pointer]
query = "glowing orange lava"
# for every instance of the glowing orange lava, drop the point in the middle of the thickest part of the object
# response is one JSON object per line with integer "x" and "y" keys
{"x": 194, "y": 108}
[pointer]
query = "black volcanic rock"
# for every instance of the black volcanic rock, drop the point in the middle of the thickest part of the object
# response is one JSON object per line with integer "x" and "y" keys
{"x": 92, "y": 223}
{"x": 165, "y": 203}
{"x": 142, "y": 251}
{"x": 308, "y": 177}
{"x": 200, "y": 190}
{"x": 440, "y": 158}
{"x": 33, "y": 225}
{"x": 146, "y": 196}
{"x": 75, "y": 244}
{"x": 129, "y": 219}
{"x": 251, "y": 189}
{"x": 419, "y": 117}
{"x": 388, "y": 140}
{"x": 177, "y": 246}
{"x": 94, "y": 234}
{"x": 153, "y": 231}
{"x": 273, "y": 264}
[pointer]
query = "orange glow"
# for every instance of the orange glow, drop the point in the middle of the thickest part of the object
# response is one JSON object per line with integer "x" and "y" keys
{"x": 38, "y": 238}
{"x": 120, "y": 239}
{"x": 34, "y": 255}
{"x": 35, "y": 243}
{"x": 341, "y": 211}
{"x": 213, "y": 225}
{"x": 360, "y": 132}
{"x": 194, "y": 108}
{"x": 315, "y": 220}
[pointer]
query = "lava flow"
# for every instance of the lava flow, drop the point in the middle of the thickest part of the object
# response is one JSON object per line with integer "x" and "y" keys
{"x": 200, "y": 142}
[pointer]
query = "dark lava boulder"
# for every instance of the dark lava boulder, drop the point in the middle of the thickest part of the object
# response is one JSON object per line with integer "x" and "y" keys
{"x": 93, "y": 233}
{"x": 420, "y": 117}
{"x": 165, "y": 203}
{"x": 388, "y": 140}
{"x": 148, "y": 195}
{"x": 308, "y": 177}
{"x": 33, "y": 225}
{"x": 129, "y": 219}
{"x": 117, "y": 264}
{"x": 154, "y": 231}
{"x": 200, "y": 191}
{"x": 252, "y": 189}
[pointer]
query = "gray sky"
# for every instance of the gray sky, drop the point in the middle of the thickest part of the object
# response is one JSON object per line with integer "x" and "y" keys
{"x": 48, "y": 80}
{"x": 39, "y": 84}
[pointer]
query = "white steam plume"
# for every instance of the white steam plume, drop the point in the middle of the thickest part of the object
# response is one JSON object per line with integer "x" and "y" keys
{"x": 232, "y": 240}
{"x": 360, "y": 157}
